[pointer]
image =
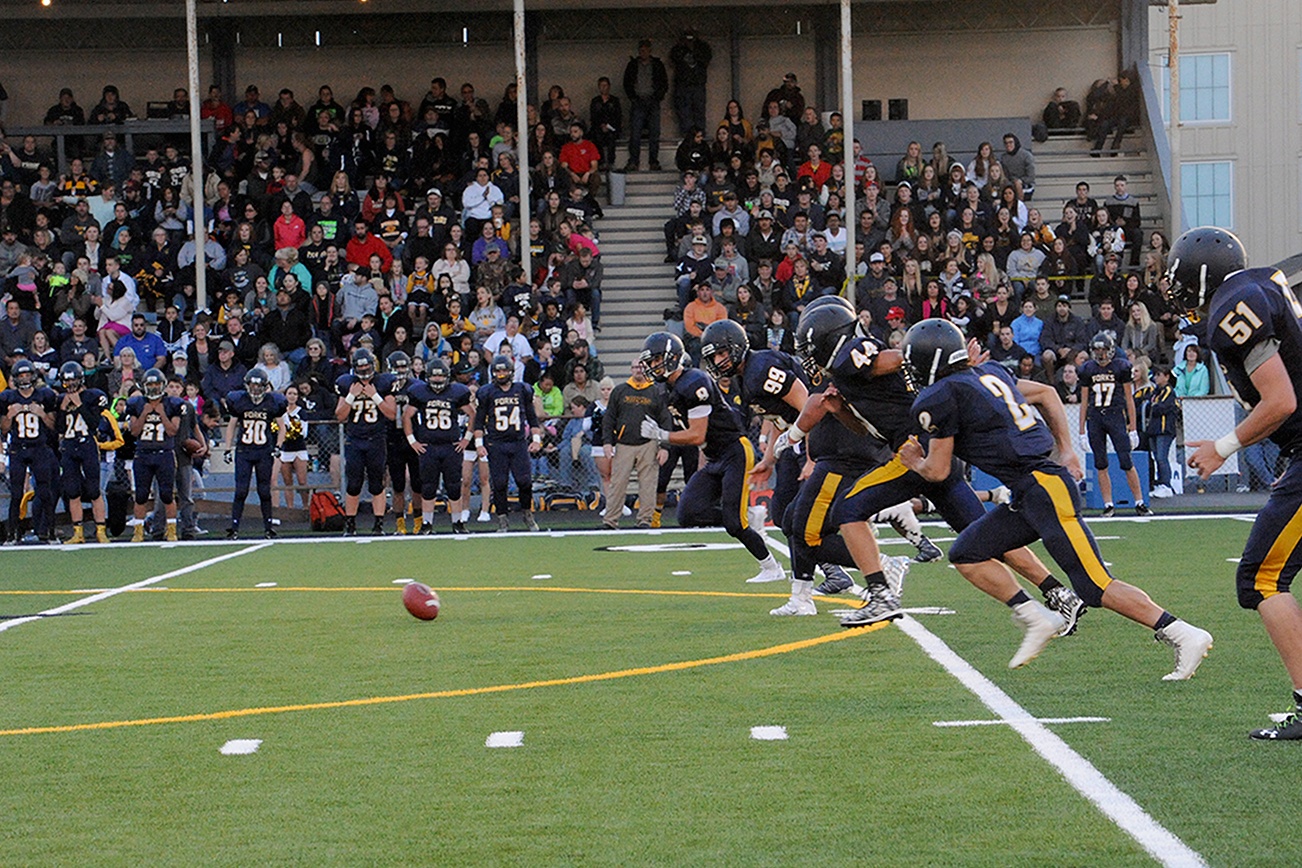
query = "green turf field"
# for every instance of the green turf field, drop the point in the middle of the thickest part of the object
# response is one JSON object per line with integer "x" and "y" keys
{"x": 636, "y": 690}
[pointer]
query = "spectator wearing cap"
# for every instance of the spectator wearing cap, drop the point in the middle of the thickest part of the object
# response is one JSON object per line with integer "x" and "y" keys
{"x": 870, "y": 285}
{"x": 791, "y": 102}
{"x": 826, "y": 268}
{"x": 799, "y": 233}
{"x": 111, "y": 108}
{"x": 226, "y": 376}
{"x": 733, "y": 211}
{"x": 581, "y": 280}
{"x": 723, "y": 282}
{"x": 693, "y": 269}
{"x": 765, "y": 238}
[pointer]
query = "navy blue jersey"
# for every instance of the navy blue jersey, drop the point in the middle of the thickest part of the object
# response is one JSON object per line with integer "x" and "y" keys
{"x": 695, "y": 394}
{"x": 881, "y": 402}
{"x": 1253, "y": 316}
{"x": 257, "y": 421}
{"x": 993, "y": 426}
{"x": 438, "y": 417}
{"x": 78, "y": 424}
{"x": 398, "y": 389}
{"x": 365, "y": 421}
{"x": 154, "y": 437}
{"x": 27, "y": 429}
{"x": 1103, "y": 386}
{"x": 505, "y": 414}
{"x": 766, "y": 381}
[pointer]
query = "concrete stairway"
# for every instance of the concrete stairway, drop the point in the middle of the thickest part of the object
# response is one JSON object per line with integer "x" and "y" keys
{"x": 1062, "y": 162}
{"x": 637, "y": 285}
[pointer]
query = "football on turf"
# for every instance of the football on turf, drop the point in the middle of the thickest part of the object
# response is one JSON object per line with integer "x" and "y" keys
{"x": 421, "y": 600}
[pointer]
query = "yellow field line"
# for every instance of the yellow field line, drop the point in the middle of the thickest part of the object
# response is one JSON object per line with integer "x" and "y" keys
{"x": 394, "y": 590}
{"x": 738, "y": 657}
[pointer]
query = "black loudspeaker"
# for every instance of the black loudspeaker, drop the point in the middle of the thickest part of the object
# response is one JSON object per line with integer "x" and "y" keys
{"x": 899, "y": 109}
{"x": 872, "y": 110}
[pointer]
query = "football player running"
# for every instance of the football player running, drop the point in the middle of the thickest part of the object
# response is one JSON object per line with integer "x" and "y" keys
{"x": 155, "y": 417}
{"x": 431, "y": 424}
{"x": 981, "y": 415}
{"x": 1253, "y": 327}
{"x": 870, "y": 393}
{"x": 367, "y": 410}
{"x": 255, "y": 412}
{"x": 507, "y": 433}
{"x": 718, "y": 493}
{"x": 82, "y": 414}
{"x": 27, "y": 415}
{"x": 773, "y": 384}
{"x": 1107, "y": 412}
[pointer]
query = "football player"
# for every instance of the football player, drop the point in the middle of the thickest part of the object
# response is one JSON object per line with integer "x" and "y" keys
{"x": 432, "y": 426}
{"x": 366, "y": 408}
{"x": 81, "y": 413}
{"x": 869, "y": 393}
{"x": 404, "y": 463}
{"x": 255, "y": 413}
{"x": 1107, "y": 412}
{"x": 155, "y": 417}
{"x": 773, "y": 384}
{"x": 983, "y": 416}
{"x": 507, "y": 433}
{"x": 27, "y": 416}
{"x": 1253, "y": 326}
{"x": 719, "y": 492}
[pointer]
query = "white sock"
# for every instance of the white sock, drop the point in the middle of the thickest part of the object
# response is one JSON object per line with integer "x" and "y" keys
{"x": 769, "y": 563}
{"x": 428, "y": 517}
{"x": 802, "y": 592}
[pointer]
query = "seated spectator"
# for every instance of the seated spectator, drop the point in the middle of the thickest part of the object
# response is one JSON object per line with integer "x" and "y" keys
{"x": 1107, "y": 320}
{"x": 724, "y": 282}
{"x": 751, "y": 314}
{"x": 1027, "y": 329}
{"x": 577, "y": 351}
{"x": 1007, "y": 351}
{"x": 149, "y": 349}
{"x": 581, "y": 280}
{"x": 1118, "y": 114}
{"x": 1024, "y": 263}
{"x": 1141, "y": 333}
{"x": 933, "y": 304}
{"x": 511, "y": 337}
{"x": 1108, "y": 284}
{"x": 581, "y": 158}
{"x": 580, "y": 383}
{"x": 1123, "y": 212}
{"x": 697, "y": 315}
{"x": 1061, "y": 113}
{"x": 1043, "y": 298}
{"x": 1191, "y": 378}
{"x": 693, "y": 269}
{"x": 1105, "y": 239}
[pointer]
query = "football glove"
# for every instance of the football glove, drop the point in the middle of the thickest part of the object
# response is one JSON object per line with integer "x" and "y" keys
{"x": 1134, "y": 439}
{"x": 651, "y": 430}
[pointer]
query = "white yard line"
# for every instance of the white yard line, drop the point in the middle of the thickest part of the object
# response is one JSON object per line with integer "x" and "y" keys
{"x": 1121, "y": 809}
{"x": 143, "y": 583}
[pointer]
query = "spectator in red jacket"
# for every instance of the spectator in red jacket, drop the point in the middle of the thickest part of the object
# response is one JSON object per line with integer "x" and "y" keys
{"x": 363, "y": 245}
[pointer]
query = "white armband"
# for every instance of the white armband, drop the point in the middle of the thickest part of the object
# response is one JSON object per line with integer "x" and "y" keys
{"x": 795, "y": 434}
{"x": 350, "y": 399}
{"x": 1228, "y": 445}
{"x": 537, "y": 438}
{"x": 479, "y": 442}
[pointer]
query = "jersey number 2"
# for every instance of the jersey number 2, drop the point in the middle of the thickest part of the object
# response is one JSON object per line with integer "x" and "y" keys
{"x": 1023, "y": 418}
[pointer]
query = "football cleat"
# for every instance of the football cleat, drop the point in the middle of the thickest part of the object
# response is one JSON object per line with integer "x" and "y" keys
{"x": 78, "y": 536}
{"x": 233, "y": 533}
{"x": 837, "y": 580}
{"x": 1288, "y": 729}
{"x": 882, "y": 605}
{"x": 503, "y": 524}
{"x": 1039, "y": 625}
{"x": 138, "y": 535}
{"x": 895, "y": 569}
{"x": 795, "y": 607}
{"x": 1143, "y": 509}
{"x": 270, "y": 533}
{"x": 101, "y": 534}
{"x": 400, "y": 525}
{"x": 377, "y": 529}
{"x": 1109, "y": 510}
{"x": 928, "y": 552}
{"x": 417, "y": 523}
{"x": 530, "y": 523}
{"x": 770, "y": 571}
{"x": 1064, "y": 601}
{"x": 484, "y": 516}
{"x": 655, "y": 519}
{"x": 457, "y": 527}
{"x": 1190, "y": 644}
